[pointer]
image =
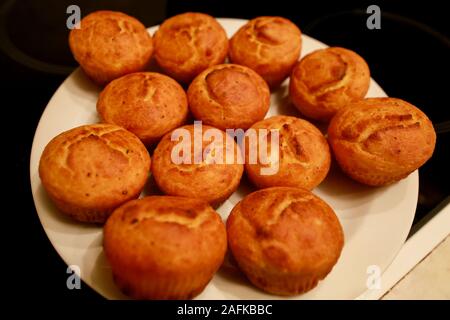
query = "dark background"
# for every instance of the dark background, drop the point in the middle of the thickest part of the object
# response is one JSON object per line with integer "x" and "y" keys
{"x": 408, "y": 57}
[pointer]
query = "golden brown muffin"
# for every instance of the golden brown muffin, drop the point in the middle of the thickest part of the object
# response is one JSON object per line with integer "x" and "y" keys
{"x": 162, "y": 247}
{"x": 109, "y": 45}
{"x": 303, "y": 154}
{"x": 90, "y": 170}
{"x": 146, "y": 103}
{"x": 188, "y": 43}
{"x": 284, "y": 239}
{"x": 379, "y": 141}
{"x": 268, "y": 45}
{"x": 229, "y": 96}
{"x": 209, "y": 168}
{"x": 327, "y": 80}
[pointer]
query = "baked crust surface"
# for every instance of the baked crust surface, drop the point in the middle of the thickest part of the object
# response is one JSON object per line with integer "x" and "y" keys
{"x": 268, "y": 45}
{"x": 188, "y": 43}
{"x": 207, "y": 179}
{"x": 304, "y": 155}
{"x": 285, "y": 240}
{"x": 229, "y": 96}
{"x": 90, "y": 170}
{"x": 109, "y": 45}
{"x": 327, "y": 80}
{"x": 148, "y": 104}
{"x": 162, "y": 247}
{"x": 378, "y": 141}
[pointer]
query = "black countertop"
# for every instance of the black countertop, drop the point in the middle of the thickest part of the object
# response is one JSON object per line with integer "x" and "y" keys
{"x": 408, "y": 57}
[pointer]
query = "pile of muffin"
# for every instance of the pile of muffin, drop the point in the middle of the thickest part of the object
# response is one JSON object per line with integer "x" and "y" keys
{"x": 282, "y": 237}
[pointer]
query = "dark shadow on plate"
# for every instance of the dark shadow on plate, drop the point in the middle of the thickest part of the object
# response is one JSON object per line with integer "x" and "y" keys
{"x": 83, "y": 83}
{"x": 284, "y": 106}
{"x": 338, "y": 183}
{"x": 151, "y": 188}
{"x": 229, "y": 276}
{"x": 322, "y": 126}
{"x": 346, "y": 192}
{"x": 282, "y": 102}
{"x": 101, "y": 275}
{"x": 230, "y": 271}
{"x": 245, "y": 187}
{"x": 153, "y": 66}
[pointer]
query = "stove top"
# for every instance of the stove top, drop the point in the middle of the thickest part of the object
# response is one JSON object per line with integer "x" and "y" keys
{"x": 408, "y": 57}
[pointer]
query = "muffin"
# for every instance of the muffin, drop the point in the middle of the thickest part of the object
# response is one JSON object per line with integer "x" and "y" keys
{"x": 302, "y": 158}
{"x": 188, "y": 43}
{"x": 379, "y": 141}
{"x": 229, "y": 96}
{"x": 285, "y": 240}
{"x": 146, "y": 103}
{"x": 109, "y": 45}
{"x": 327, "y": 80}
{"x": 162, "y": 247}
{"x": 90, "y": 170}
{"x": 269, "y": 45}
{"x": 202, "y": 163}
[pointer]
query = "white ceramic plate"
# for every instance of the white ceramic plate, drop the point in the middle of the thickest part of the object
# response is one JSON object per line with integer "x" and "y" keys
{"x": 376, "y": 221}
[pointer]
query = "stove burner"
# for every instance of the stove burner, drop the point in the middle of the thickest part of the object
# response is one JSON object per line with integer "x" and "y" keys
{"x": 34, "y": 33}
{"x": 18, "y": 55}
